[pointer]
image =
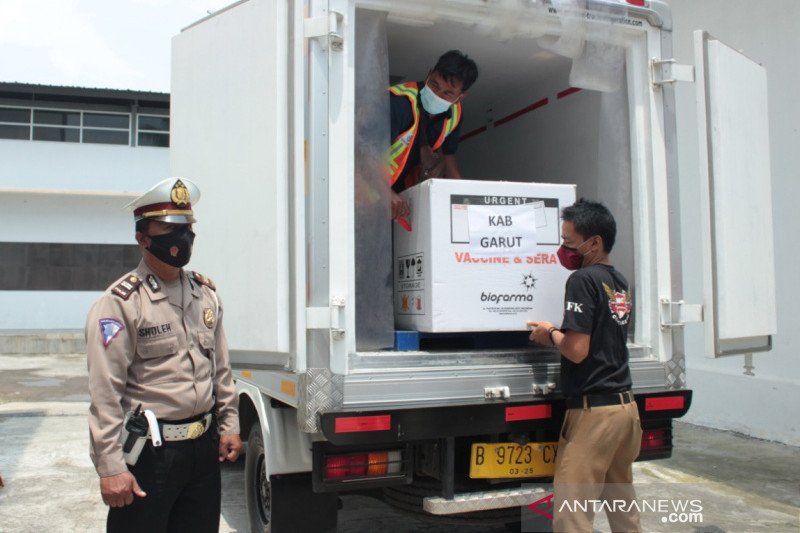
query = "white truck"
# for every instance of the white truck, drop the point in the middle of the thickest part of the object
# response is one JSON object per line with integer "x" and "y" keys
{"x": 280, "y": 114}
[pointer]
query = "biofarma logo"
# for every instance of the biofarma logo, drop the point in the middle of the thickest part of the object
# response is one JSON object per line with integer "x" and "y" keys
{"x": 671, "y": 511}
{"x": 528, "y": 281}
{"x": 497, "y": 298}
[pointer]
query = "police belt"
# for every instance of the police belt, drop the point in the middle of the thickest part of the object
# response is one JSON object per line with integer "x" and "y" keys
{"x": 599, "y": 400}
{"x": 189, "y": 430}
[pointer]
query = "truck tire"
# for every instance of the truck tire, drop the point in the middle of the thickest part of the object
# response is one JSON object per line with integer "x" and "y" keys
{"x": 256, "y": 484}
{"x": 280, "y": 503}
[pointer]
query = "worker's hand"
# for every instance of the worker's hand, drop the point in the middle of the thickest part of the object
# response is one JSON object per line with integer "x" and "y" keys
{"x": 229, "y": 447}
{"x": 540, "y": 333}
{"x": 400, "y": 207}
{"x": 118, "y": 491}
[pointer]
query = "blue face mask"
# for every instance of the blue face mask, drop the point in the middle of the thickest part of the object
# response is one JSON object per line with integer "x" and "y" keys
{"x": 432, "y": 102}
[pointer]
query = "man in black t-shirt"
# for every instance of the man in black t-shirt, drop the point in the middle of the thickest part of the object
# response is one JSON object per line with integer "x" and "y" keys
{"x": 601, "y": 433}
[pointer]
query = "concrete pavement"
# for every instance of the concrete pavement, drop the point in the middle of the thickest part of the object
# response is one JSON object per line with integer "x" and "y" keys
{"x": 744, "y": 484}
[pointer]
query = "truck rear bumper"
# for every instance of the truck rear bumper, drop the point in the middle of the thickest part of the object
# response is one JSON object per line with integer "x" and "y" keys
{"x": 482, "y": 501}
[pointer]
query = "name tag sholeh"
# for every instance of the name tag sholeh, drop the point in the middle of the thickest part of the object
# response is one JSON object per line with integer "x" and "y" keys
{"x": 154, "y": 330}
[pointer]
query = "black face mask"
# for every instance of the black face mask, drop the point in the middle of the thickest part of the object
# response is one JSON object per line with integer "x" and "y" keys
{"x": 174, "y": 248}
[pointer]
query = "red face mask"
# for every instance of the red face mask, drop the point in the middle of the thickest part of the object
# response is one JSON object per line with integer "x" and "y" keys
{"x": 571, "y": 258}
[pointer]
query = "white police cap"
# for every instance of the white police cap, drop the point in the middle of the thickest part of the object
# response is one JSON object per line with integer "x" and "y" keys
{"x": 170, "y": 200}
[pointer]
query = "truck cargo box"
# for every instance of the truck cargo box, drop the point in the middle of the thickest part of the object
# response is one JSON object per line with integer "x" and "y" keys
{"x": 480, "y": 256}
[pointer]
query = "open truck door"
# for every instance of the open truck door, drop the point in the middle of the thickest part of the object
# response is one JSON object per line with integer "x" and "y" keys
{"x": 739, "y": 266}
{"x": 244, "y": 216}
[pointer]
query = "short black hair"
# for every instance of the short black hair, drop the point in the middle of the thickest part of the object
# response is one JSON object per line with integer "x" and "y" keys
{"x": 590, "y": 219}
{"x": 457, "y": 65}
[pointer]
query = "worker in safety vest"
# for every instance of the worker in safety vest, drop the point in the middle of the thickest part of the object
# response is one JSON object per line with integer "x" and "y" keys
{"x": 425, "y": 125}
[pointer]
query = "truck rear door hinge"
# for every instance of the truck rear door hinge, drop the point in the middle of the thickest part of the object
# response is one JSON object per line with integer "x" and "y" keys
{"x": 331, "y": 318}
{"x": 677, "y": 314}
{"x": 501, "y": 392}
{"x": 543, "y": 389}
{"x": 663, "y": 71}
{"x": 326, "y": 26}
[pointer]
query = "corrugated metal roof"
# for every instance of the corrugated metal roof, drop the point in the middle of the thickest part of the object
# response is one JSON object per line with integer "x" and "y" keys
{"x": 34, "y": 92}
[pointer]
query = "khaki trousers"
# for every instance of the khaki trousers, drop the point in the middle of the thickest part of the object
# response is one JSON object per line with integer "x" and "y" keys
{"x": 595, "y": 452}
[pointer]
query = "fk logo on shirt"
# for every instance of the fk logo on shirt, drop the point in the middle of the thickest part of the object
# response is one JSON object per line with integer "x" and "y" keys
{"x": 573, "y": 306}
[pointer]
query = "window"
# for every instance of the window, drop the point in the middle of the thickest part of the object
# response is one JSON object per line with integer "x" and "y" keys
{"x": 153, "y": 130}
{"x": 71, "y": 135}
{"x": 57, "y": 118}
{"x": 64, "y": 125}
{"x": 15, "y": 123}
{"x": 106, "y": 128}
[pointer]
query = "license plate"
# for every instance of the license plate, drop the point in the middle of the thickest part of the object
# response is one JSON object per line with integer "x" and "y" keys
{"x": 511, "y": 460}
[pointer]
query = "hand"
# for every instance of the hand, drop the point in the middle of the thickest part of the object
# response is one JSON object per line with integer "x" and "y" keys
{"x": 118, "y": 491}
{"x": 540, "y": 333}
{"x": 400, "y": 207}
{"x": 229, "y": 447}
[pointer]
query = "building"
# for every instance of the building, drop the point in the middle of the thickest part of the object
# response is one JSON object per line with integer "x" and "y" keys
{"x": 71, "y": 159}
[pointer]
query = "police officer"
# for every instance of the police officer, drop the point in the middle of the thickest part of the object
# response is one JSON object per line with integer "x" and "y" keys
{"x": 601, "y": 434}
{"x": 155, "y": 343}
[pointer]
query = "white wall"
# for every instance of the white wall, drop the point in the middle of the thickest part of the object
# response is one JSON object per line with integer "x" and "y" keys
{"x": 68, "y": 193}
{"x": 45, "y": 310}
{"x": 768, "y": 404}
{"x": 74, "y": 166}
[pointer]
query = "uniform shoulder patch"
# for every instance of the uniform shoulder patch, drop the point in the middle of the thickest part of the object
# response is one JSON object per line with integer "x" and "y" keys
{"x": 127, "y": 286}
{"x": 199, "y": 278}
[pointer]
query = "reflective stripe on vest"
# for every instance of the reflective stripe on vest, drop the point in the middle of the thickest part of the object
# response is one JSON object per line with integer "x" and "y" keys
{"x": 401, "y": 147}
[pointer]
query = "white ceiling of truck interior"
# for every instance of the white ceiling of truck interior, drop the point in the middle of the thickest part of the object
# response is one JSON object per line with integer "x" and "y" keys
{"x": 504, "y": 65}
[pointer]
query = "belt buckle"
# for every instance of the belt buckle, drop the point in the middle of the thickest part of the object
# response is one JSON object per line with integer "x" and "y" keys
{"x": 196, "y": 429}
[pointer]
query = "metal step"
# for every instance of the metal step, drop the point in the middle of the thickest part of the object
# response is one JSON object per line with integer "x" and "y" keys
{"x": 37, "y": 342}
{"x": 482, "y": 501}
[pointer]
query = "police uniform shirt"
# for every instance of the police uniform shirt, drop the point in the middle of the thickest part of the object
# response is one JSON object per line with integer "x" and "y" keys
{"x": 161, "y": 346}
{"x": 598, "y": 303}
{"x": 402, "y": 118}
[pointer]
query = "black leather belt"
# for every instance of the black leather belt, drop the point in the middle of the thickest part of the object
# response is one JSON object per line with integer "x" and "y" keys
{"x": 600, "y": 400}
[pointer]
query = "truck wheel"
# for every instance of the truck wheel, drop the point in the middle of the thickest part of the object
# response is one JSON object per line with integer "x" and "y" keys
{"x": 275, "y": 504}
{"x": 257, "y": 486}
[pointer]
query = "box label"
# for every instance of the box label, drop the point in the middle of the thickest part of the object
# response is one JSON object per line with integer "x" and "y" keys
{"x": 410, "y": 284}
{"x": 548, "y": 231}
{"x": 506, "y": 230}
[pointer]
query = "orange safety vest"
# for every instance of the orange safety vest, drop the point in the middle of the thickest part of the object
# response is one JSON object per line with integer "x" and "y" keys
{"x": 401, "y": 147}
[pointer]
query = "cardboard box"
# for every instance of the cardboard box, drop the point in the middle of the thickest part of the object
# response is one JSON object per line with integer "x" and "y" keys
{"x": 481, "y": 256}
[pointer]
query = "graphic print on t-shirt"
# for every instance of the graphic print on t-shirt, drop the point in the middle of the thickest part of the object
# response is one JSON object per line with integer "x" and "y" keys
{"x": 619, "y": 303}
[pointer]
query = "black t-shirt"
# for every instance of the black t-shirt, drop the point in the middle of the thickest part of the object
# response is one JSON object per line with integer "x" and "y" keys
{"x": 597, "y": 301}
{"x": 402, "y": 118}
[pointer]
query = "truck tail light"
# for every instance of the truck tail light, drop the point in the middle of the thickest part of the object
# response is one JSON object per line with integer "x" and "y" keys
{"x": 363, "y": 464}
{"x": 357, "y": 424}
{"x": 636, "y": 2}
{"x": 664, "y": 403}
{"x": 654, "y": 439}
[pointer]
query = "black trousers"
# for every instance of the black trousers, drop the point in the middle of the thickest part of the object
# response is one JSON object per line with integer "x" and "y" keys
{"x": 182, "y": 482}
